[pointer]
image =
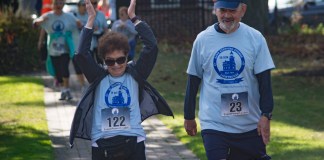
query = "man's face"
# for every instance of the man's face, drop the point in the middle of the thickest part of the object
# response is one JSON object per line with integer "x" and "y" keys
{"x": 229, "y": 18}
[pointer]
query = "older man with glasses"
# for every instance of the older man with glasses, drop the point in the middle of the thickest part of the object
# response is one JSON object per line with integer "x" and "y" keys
{"x": 232, "y": 62}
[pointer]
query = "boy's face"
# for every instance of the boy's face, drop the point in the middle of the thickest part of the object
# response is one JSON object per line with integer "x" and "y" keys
{"x": 82, "y": 8}
{"x": 58, "y": 4}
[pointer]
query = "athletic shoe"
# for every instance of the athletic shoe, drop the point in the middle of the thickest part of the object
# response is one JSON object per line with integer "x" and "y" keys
{"x": 68, "y": 95}
{"x": 63, "y": 96}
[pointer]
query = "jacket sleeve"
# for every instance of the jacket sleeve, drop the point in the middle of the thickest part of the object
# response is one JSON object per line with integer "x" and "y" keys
{"x": 83, "y": 57}
{"x": 148, "y": 54}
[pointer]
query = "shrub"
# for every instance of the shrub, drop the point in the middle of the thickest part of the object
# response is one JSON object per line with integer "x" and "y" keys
{"x": 18, "y": 43}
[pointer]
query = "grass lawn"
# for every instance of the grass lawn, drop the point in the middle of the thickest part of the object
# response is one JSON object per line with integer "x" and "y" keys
{"x": 297, "y": 131}
{"x": 23, "y": 125}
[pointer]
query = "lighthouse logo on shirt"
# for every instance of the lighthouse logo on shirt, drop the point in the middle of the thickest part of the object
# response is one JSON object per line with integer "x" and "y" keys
{"x": 117, "y": 95}
{"x": 58, "y": 26}
{"x": 229, "y": 64}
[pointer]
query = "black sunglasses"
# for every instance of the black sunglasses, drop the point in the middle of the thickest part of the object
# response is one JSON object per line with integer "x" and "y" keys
{"x": 111, "y": 62}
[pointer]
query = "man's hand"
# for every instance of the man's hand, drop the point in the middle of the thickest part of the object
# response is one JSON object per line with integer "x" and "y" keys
{"x": 191, "y": 127}
{"x": 264, "y": 129}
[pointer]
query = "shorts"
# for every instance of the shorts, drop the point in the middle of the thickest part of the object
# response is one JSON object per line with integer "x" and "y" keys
{"x": 234, "y": 146}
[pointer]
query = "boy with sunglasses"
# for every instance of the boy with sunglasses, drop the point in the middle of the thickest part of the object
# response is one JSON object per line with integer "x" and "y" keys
{"x": 119, "y": 98}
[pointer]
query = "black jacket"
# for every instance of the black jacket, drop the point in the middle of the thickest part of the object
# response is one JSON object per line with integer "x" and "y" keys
{"x": 151, "y": 102}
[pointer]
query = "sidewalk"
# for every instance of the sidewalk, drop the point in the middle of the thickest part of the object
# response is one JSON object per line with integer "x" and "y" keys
{"x": 161, "y": 144}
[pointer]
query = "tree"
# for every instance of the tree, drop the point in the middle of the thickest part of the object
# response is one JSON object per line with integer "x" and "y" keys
{"x": 257, "y": 15}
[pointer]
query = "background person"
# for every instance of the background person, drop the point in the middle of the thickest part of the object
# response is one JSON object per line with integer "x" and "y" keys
{"x": 111, "y": 111}
{"x": 82, "y": 15}
{"x": 100, "y": 27}
{"x": 232, "y": 62}
{"x": 41, "y": 45}
{"x": 126, "y": 27}
{"x": 59, "y": 27}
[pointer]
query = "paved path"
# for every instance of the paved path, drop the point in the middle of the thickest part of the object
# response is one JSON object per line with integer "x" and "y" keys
{"x": 160, "y": 143}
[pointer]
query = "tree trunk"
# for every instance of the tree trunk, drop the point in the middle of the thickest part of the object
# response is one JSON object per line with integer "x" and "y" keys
{"x": 256, "y": 15}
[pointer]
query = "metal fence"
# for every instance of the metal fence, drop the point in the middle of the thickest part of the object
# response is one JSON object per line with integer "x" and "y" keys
{"x": 175, "y": 19}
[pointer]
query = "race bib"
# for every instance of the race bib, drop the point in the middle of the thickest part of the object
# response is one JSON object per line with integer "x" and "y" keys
{"x": 234, "y": 104}
{"x": 57, "y": 46}
{"x": 115, "y": 118}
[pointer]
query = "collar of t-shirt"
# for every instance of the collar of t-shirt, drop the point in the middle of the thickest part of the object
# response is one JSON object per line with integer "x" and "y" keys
{"x": 218, "y": 29}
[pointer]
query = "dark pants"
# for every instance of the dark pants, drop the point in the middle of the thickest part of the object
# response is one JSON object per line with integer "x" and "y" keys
{"x": 119, "y": 148}
{"x": 131, "y": 53}
{"x": 61, "y": 66}
{"x": 234, "y": 146}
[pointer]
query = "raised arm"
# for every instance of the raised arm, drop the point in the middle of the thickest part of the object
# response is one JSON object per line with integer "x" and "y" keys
{"x": 148, "y": 54}
{"x": 83, "y": 58}
{"x": 91, "y": 14}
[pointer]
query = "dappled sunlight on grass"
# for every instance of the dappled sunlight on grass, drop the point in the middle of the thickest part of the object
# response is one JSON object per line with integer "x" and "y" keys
{"x": 295, "y": 142}
{"x": 23, "y": 124}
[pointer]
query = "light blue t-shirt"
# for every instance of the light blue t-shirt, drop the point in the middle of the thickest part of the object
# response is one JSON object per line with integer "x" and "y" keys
{"x": 128, "y": 30}
{"x": 76, "y": 34}
{"x": 58, "y": 25}
{"x": 99, "y": 26}
{"x": 116, "y": 108}
{"x": 227, "y": 65}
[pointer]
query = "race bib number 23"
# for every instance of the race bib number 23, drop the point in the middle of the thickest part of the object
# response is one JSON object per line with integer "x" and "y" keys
{"x": 235, "y": 104}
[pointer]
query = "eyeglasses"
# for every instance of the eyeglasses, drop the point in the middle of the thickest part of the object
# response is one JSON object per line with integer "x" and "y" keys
{"x": 111, "y": 62}
{"x": 94, "y": 3}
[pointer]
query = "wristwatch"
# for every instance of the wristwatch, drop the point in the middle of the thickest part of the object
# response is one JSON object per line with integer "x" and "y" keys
{"x": 268, "y": 115}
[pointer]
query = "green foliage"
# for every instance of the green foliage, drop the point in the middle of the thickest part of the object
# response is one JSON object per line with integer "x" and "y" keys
{"x": 18, "y": 43}
{"x": 23, "y": 124}
{"x": 302, "y": 29}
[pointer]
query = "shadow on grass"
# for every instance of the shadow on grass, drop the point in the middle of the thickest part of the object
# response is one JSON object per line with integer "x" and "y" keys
{"x": 283, "y": 146}
{"x": 21, "y": 142}
{"x": 299, "y": 101}
{"x": 30, "y": 103}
